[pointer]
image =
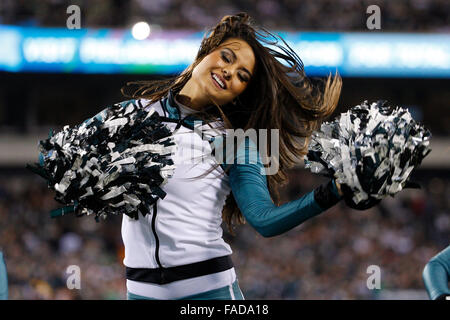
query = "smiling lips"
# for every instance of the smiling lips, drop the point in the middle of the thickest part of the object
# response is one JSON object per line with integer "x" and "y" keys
{"x": 218, "y": 81}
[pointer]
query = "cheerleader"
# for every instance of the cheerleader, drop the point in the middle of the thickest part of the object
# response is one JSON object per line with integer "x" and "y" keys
{"x": 236, "y": 82}
{"x": 3, "y": 279}
{"x": 178, "y": 251}
{"x": 436, "y": 275}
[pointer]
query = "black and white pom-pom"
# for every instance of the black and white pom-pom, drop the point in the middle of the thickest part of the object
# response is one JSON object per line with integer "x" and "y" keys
{"x": 371, "y": 150}
{"x": 112, "y": 164}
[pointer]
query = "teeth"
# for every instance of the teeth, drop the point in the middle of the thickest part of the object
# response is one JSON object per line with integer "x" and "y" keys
{"x": 218, "y": 81}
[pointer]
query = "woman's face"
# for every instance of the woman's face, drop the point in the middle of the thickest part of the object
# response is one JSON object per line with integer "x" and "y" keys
{"x": 225, "y": 72}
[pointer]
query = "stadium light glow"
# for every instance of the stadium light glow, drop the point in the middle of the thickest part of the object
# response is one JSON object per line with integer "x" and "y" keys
{"x": 141, "y": 30}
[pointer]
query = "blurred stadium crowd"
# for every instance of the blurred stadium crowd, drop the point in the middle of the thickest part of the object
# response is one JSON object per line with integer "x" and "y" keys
{"x": 341, "y": 15}
{"x": 325, "y": 258}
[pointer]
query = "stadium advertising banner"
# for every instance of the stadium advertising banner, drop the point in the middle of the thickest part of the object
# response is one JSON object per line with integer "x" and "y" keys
{"x": 167, "y": 52}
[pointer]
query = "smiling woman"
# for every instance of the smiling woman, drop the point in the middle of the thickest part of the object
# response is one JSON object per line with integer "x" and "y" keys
{"x": 174, "y": 247}
{"x": 237, "y": 79}
{"x": 278, "y": 94}
{"x": 221, "y": 76}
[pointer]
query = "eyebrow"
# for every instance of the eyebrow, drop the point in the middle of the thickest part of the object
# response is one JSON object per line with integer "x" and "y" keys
{"x": 234, "y": 57}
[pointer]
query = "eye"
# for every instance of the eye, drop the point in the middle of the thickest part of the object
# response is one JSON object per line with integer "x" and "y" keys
{"x": 225, "y": 57}
{"x": 243, "y": 78}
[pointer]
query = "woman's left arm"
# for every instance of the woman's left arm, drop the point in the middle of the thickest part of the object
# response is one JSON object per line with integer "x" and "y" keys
{"x": 252, "y": 196}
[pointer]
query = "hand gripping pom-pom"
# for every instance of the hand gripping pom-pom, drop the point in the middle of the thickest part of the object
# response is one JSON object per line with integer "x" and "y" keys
{"x": 370, "y": 150}
{"x": 114, "y": 164}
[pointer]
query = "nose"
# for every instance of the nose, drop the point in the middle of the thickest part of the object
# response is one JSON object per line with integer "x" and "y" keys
{"x": 226, "y": 74}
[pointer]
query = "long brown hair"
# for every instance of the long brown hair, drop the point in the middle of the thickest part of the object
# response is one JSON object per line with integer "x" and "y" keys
{"x": 279, "y": 96}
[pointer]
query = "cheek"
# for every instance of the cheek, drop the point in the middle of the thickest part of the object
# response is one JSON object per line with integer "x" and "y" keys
{"x": 239, "y": 87}
{"x": 210, "y": 61}
{"x": 198, "y": 70}
{"x": 202, "y": 71}
{"x": 201, "y": 68}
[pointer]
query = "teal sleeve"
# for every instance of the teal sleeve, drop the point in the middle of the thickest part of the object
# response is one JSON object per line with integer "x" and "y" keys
{"x": 3, "y": 279}
{"x": 250, "y": 190}
{"x": 436, "y": 275}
